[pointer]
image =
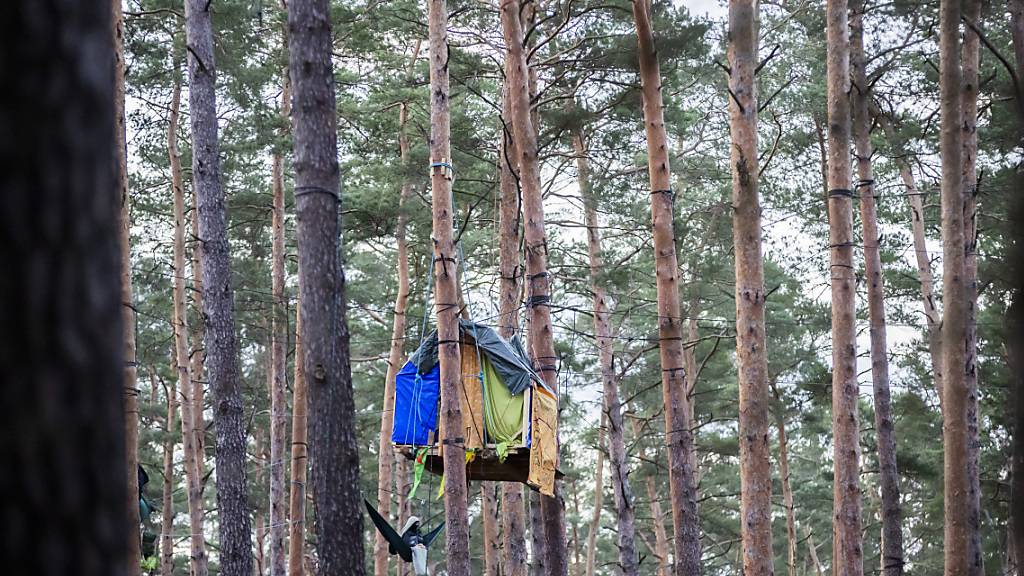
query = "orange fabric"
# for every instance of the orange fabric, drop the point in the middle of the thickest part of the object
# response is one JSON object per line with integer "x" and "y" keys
{"x": 544, "y": 449}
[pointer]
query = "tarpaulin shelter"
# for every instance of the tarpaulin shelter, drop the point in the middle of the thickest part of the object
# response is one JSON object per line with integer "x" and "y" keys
{"x": 509, "y": 415}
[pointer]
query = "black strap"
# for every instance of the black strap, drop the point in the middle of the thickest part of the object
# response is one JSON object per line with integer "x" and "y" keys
{"x": 303, "y": 190}
{"x": 538, "y": 275}
{"x": 863, "y": 182}
{"x": 457, "y": 441}
{"x": 840, "y": 192}
{"x": 543, "y": 300}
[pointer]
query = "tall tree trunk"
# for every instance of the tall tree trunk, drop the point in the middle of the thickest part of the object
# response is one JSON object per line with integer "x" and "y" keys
{"x": 513, "y": 506}
{"x": 68, "y": 507}
{"x": 167, "y": 515}
{"x": 1015, "y": 323}
{"x": 491, "y": 523}
{"x": 218, "y": 301}
{"x": 847, "y": 541}
{"x": 535, "y": 243}
{"x": 971, "y": 54}
{"x": 892, "y": 518}
{"x": 1017, "y": 34}
{"x": 385, "y": 455}
{"x": 197, "y": 424}
{"x": 595, "y": 518}
{"x": 193, "y": 475}
{"x": 297, "y": 494}
{"x": 446, "y": 302}
{"x": 538, "y": 560}
{"x": 751, "y": 357}
{"x": 131, "y": 390}
{"x": 678, "y": 435}
{"x": 624, "y": 507}
{"x": 278, "y": 357}
{"x": 333, "y": 448}
{"x": 954, "y": 294}
{"x": 259, "y": 514}
{"x": 787, "y": 487}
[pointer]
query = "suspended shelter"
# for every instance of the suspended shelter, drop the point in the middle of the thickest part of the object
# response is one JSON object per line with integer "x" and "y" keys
{"x": 509, "y": 415}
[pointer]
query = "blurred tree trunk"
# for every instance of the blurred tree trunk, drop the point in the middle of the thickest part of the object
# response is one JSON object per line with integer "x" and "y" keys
{"x": 678, "y": 435}
{"x": 595, "y": 518}
{"x": 131, "y": 390}
{"x": 68, "y": 506}
{"x": 193, "y": 476}
{"x": 787, "y": 487}
{"x": 892, "y": 518}
{"x": 299, "y": 464}
{"x": 491, "y": 525}
{"x": 167, "y": 514}
{"x": 538, "y": 566}
{"x": 535, "y": 243}
{"x": 218, "y": 302}
{"x": 847, "y": 542}
{"x": 657, "y": 515}
{"x": 333, "y": 448}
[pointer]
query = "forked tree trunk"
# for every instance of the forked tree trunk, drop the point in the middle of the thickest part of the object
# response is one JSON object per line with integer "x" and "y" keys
{"x": 678, "y": 435}
{"x": 513, "y": 506}
{"x": 193, "y": 478}
{"x": 892, "y": 532}
{"x": 787, "y": 487}
{"x": 446, "y": 302}
{"x": 595, "y": 517}
{"x": 333, "y": 446}
{"x": 535, "y": 244}
{"x": 954, "y": 293}
{"x": 67, "y": 501}
{"x": 278, "y": 356}
{"x": 167, "y": 516}
{"x": 131, "y": 391}
{"x": 218, "y": 302}
{"x": 847, "y": 540}
{"x": 971, "y": 54}
{"x": 751, "y": 357}
{"x": 299, "y": 464}
{"x": 624, "y": 508}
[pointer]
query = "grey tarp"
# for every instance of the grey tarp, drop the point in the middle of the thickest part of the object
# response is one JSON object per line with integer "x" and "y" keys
{"x": 508, "y": 359}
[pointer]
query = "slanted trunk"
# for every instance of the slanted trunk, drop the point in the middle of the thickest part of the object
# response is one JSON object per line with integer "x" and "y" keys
{"x": 678, "y": 435}
{"x": 847, "y": 540}
{"x": 333, "y": 448}
{"x": 167, "y": 516}
{"x": 751, "y": 357}
{"x": 131, "y": 391}
{"x": 193, "y": 474}
{"x": 813, "y": 551}
{"x": 67, "y": 501}
{"x": 624, "y": 507}
{"x": 535, "y": 244}
{"x": 446, "y": 302}
{"x": 954, "y": 295}
{"x": 892, "y": 533}
{"x": 297, "y": 495}
{"x": 787, "y": 487}
{"x": 278, "y": 358}
{"x": 218, "y": 302}
{"x": 971, "y": 54}
{"x": 595, "y": 518}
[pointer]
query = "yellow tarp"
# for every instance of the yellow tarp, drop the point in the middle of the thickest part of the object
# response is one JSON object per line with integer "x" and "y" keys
{"x": 544, "y": 440}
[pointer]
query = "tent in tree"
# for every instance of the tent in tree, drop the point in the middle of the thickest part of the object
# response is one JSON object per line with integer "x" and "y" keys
{"x": 509, "y": 414}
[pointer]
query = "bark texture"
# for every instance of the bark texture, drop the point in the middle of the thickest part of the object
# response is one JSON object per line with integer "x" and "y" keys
{"x": 954, "y": 294}
{"x": 885, "y": 434}
{"x": 678, "y": 436}
{"x": 787, "y": 487}
{"x": 538, "y": 557}
{"x": 63, "y": 361}
{"x": 167, "y": 517}
{"x": 535, "y": 244}
{"x": 218, "y": 300}
{"x": 491, "y": 524}
{"x": 333, "y": 449}
{"x": 625, "y": 511}
{"x": 446, "y": 303}
{"x": 751, "y": 356}
{"x": 131, "y": 389}
{"x": 278, "y": 357}
{"x": 847, "y": 540}
{"x": 299, "y": 462}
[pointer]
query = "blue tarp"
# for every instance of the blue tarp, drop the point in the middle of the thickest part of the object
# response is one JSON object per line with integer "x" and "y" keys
{"x": 415, "y": 415}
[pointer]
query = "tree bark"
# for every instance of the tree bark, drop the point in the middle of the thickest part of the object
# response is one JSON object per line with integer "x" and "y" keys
{"x": 885, "y": 434}
{"x": 1017, "y": 34}
{"x": 625, "y": 511}
{"x": 954, "y": 426}
{"x": 535, "y": 244}
{"x": 813, "y": 550}
{"x": 787, "y": 487}
{"x": 278, "y": 356}
{"x": 333, "y": 448}
{"x": 678, "y": 435}
{"x": 167, "y": 516}
{"x": 538, "y": 560}
{"x": 751, "y": 356}
{"x": 131, "y": 390}
{"x": 68, "y": 507}
{"x": 970, "y": 55}
{"x": 218, "y": 302}
{"x": 847, "y": 543}
{"x": 297, "y": 494}
{"x": 595, "y": 518}
{"x": 193, "y": 475}
{"x": 491, "y": 524}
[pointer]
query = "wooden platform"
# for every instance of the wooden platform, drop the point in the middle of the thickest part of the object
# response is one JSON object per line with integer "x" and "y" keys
{"x": 485, "y": 467}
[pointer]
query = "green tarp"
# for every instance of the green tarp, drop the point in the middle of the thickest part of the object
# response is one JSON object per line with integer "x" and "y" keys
{"x": 503, "y": 410}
